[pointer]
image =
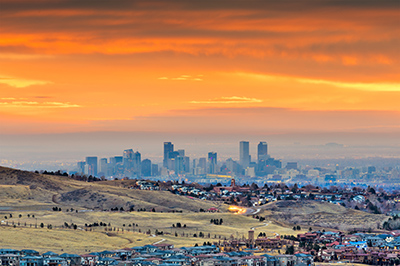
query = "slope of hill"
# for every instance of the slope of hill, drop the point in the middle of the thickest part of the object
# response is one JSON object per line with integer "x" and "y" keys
{"x": 23, "y": 187}
{"x": 323, "y": 214}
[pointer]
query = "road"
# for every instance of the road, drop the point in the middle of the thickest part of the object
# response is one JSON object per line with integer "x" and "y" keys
{"x": 158, "y": 242}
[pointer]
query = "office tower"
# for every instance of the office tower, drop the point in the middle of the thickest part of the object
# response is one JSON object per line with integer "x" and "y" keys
{"x": 128, "y": 159}
{"x": 244, "y": 154}
{"x": 154, "y": 170}
{"x": 168, "y": 148}
{"x": 118, "y": 159}
{"x": 146, "y": 167}
{"x": 81, "y": 167}
{"x": 112, "y": 160}
{"x": 262, "y": 151}
{"x": 291, "y": 165}
{"x": 115, "y": 160}
{"x": 202, "y": 163}
{"x": 91, "y": 163}
{"x": 186, "y": 164}
{"x": 173, "y": 155}
{"x": 232, "y": 166}
{"x": 103, "y": 166}
{"x": 137, "y": 163}
{"x": 179, "y": 165}
{"x": 181, "y": 152}
{"x": 212, "y": 162}
{"x": 128, "y": 154}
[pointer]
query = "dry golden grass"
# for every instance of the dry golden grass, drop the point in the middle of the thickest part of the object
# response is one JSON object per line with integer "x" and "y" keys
{"x": 70, "y": 241}
{"x": 77, "y": 241}
{"x": 321, "y": 214}
{"x": 20, "y": 186}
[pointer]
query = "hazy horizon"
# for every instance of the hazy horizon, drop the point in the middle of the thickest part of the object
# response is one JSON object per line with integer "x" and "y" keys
{"x": 67, "y": 149}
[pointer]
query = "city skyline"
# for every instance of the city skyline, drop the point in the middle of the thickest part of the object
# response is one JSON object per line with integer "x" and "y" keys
{"x": 130, "y": 164}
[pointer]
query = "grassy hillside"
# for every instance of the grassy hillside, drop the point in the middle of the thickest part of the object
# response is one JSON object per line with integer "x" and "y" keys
{"x": 29, "y": 199}
{"x": 22, "y": 187}
{"x": 322, "y": 214}
{"x": 128, "y": 229}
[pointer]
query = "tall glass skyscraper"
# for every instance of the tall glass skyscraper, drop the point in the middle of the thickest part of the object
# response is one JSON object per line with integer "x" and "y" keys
{"x": 168, "y": 148}
{"x": 244, "y": 154}
{"x": 262, "y": 151}
{"x": 91, "y": 164}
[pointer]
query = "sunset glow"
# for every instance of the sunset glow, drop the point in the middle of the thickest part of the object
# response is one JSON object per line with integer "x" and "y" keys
{"x": 195, "y": 66}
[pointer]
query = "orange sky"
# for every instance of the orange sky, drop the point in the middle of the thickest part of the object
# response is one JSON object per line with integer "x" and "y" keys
{"x": 199, "y": 66}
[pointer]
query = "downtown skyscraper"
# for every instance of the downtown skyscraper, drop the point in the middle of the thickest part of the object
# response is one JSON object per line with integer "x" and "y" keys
{"x": 244, "y": 154}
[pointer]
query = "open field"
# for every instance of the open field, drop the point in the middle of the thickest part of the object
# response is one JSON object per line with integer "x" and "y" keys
{"x": 321, "y": 214}
{"x": 79, "y": 240}
{"x": 70, "y": 241}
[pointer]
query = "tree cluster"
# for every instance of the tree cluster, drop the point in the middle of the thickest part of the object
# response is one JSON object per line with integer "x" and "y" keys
{"x": 216, "y": 221}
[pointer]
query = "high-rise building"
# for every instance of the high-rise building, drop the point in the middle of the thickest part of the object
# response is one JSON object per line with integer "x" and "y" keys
{"x": 212, "y": 162}
{"x": 181, "y": 152}
{"x": 186, "y": 164}
{"x": 244, "y": 154}
{"x": 137, "y": 163}
{"x": 146, "y": 167}
{"x": 91, "y": 163}
{"x": 81, "y": 167}
{"x": 116, "y": 159}
{"x": 103, "y": 166}
{"x": 262, "y": 151}
{"x": 179, "y": 165}
{"x": 232, "y": 166}
{"x": 128, "y": 159}
{"x": 168, "y": 148}
{"x": 202, "y": 165}
{"x": 154, "y": 170}
{"x": 119, "y": 159}
{"x": 128, "y": 154}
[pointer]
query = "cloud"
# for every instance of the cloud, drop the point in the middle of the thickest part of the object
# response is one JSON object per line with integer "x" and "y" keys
{"x": 228, "y": 100}
{"x": 356, "y": 85}
{"x": 184, "y": 77}
{"x": 31, "y": 104}
{"x": 395, "y": 87}
{"x": 15, "y": 56}
{"x": 21, "y": 82}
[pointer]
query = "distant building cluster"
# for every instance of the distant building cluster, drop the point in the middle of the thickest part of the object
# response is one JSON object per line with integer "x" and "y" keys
{"x": 130, "y": 165}
{"x": 175, "y": 162}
